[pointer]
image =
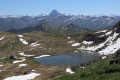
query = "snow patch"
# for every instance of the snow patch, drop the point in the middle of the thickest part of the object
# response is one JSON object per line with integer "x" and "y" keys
{"x": 102, "y": 35}
{"x": 42, "y": 56}
{"x": 69, "y": 37}
{"x": 87, "y": 42}
{"x": 22, "y": 65}
{"x": 108, "y": 33}
{"x": 20, "y": 36}
{"x": 83, "y": 67}
{"x": 101, "y": 31}
{"x": 22, "y": 54}
{"x": 68, "y": 70}
{"x": 2, "y": 38}
{"x": 76, "y": 44}
{"x": 1, "y": 65}
{"x": 104, "y": 57}
{"x": 3, "y": 58}
{"x": 23, "y": 41}
{"x": 23, "y": 77}
{"x": 34, "y": 44}
{"x": 71, "y": 41}
{"x": 18, "y": 61}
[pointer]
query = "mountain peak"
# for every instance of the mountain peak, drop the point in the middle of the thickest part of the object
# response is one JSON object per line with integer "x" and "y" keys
{"x": 54, "y": 13}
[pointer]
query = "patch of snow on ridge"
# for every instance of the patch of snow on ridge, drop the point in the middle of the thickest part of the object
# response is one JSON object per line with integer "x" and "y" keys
{"x": 22, "y": 54}
{"x": 108, "y": 33}
{"x": 34, "y": 44}
{"x": 23, "y": 77}
{"x": 23, "y": 41}
{"x": 42, "y": 56}
{"x": 76, "y": 44}
{"x": 87, "y": 42}
{"x": 20, "y": 35}
{"x": 109, "y": 43}
{"x": 101, "y": 31}
{"x": 68, "y": 70}
{"x": 2, "y": 38}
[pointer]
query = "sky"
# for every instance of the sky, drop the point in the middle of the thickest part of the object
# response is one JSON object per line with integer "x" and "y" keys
{"x": 74, "y": 7}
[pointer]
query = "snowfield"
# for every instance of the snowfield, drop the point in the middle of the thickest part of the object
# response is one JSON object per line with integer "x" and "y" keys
{"x": 68, "y": 70}
{"x": 23, "y": 77}
{"x": 111, "y": 48}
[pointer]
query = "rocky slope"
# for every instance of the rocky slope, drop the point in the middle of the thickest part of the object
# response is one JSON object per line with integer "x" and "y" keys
{"x": 104, "y": 42}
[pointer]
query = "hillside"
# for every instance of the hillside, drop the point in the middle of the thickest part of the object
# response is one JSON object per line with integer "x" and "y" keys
{"x": 56, "y": 29}
{"x": 100, "y": 70}
{"x": 26, "y": 46}
{"x": 106, "y": 43}
{"x": 56, "y": 18}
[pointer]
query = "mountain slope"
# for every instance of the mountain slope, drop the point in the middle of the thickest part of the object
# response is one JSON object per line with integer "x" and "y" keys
{"x": 104, "y": 42}
{"x": 100, "y": 70}
{"x": 56, "y": 18}
{"x": 57, "y": 29}
{"x": 29, "y": 45}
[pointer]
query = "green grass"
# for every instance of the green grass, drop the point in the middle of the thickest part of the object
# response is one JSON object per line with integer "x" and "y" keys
{"x": 100, "y": 70}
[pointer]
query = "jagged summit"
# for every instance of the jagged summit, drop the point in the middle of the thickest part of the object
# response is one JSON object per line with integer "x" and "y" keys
{"x": 54, "y": 13}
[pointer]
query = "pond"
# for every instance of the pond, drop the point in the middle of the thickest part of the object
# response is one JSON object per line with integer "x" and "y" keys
{"x": 74, "y": 58}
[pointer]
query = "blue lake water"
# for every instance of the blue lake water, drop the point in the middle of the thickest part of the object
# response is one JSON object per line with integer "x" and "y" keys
{"x": 74, "y": 58}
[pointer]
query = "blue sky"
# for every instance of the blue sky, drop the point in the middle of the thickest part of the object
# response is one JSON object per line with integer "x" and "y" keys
{"x": 75, "y": 7}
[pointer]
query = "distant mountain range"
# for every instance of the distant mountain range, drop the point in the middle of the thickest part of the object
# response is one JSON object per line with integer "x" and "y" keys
{"x": 56, "y": 18}
{"x": 57, "y": 29}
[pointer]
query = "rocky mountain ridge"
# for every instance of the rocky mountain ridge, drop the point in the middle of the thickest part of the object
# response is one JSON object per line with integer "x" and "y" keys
{"x": 56, "y": 18}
